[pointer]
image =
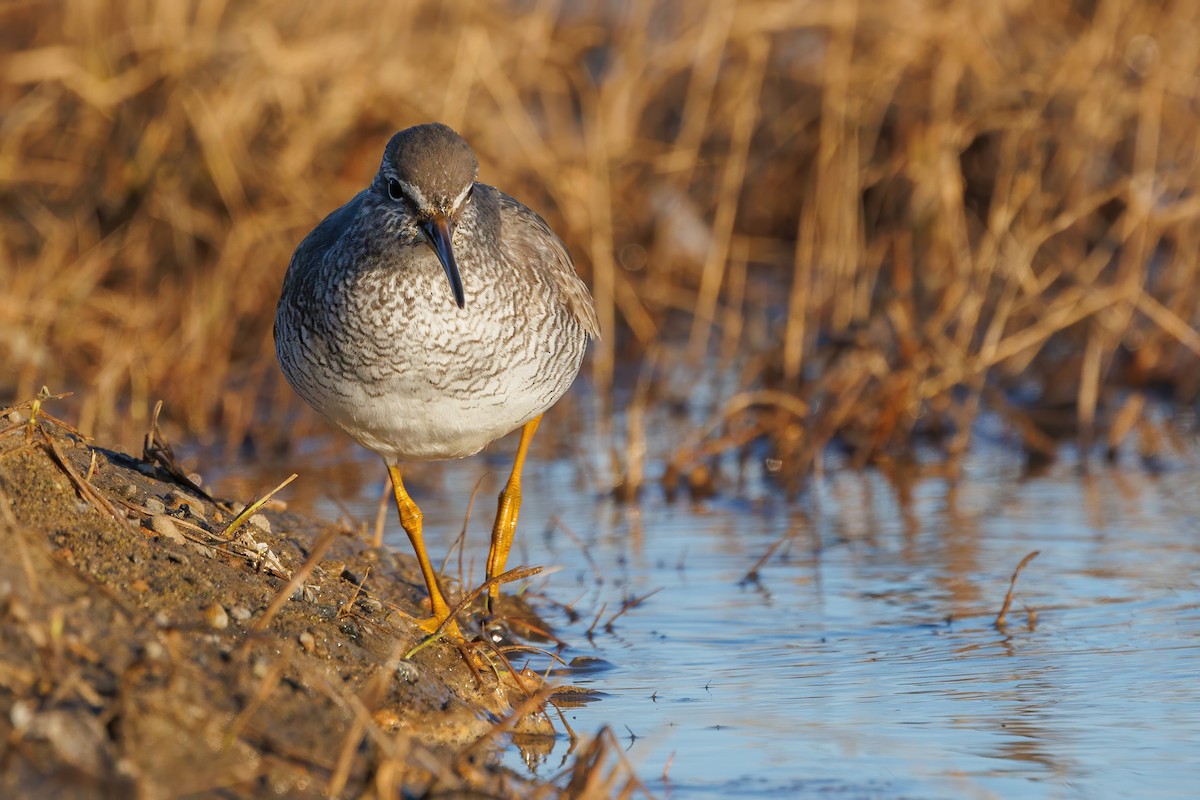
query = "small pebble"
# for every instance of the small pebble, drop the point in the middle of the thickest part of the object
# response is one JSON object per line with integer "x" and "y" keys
{"x": 21, "y": 716}
{"x": 334, "y": 568}
{"x": 259, "y": 668}
{"x": 387, "y": 719}
{"x": 195, "y": 478}
{"x": 165, "y": 527}
{"x": 155, "y": 506}
{"x": 308, "y": 642}
{"x": 203, "y": 549}
{"x": 370, "y": 605}
{"x": 129, "y": 491}
{"x": 408, "y": 671}
{"x": 261, "y": 522}
{"x": 216, "y": 617}
{"x": 177, "y": 500}
{"x": 240, "y": 613}
{"x": 16, "y": 610}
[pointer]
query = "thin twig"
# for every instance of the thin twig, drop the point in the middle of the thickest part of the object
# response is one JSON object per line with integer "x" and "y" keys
{"x": 1012, "y": 585}
{"x": 253, "y": 508}
{"x": 630, "y": 604}
{"x": 347, "y": 607}
{"x": 86, "y": 490}
{"x": 296, "y": 581}
{"x": 529, "y": 704}
{"x": 514, "y": 574}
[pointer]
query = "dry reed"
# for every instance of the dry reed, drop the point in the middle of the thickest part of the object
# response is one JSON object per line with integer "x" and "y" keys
{"x": 895, "y": 215}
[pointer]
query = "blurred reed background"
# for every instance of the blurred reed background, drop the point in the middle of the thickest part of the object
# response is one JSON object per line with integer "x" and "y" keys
{"x": 881, "y": 217}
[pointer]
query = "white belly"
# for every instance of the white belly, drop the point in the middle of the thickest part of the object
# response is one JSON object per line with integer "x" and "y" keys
{"x": 438, "y": 384}
{"x": 409, "y": 423}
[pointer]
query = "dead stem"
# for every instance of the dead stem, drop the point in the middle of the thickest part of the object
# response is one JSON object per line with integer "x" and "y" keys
{"x": 297, "y": 580}
{"x": 628, "y": 605}
{"x": 252, "y": 509}
{"x": 1012, "y": 585}
{"x": 86, "y": 490}
{"x": 345, "y": 609}
{"x": 529, "y": 705}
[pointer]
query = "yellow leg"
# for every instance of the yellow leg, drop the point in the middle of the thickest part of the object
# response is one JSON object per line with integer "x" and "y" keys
{"x": 410, "y": 520}
{"x": 506, "y": 515}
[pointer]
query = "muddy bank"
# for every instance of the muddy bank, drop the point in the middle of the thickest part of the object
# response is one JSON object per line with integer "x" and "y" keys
{"x": 145, "y": 649}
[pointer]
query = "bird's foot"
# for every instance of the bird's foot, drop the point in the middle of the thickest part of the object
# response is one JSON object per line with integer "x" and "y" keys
{"x": 434, "y": 625}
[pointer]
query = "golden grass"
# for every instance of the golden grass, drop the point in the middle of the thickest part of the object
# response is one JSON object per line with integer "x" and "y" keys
{"x": 947, "y": 200}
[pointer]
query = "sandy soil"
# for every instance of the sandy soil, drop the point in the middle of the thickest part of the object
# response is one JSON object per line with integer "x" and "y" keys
{"x": 146, "y": 652}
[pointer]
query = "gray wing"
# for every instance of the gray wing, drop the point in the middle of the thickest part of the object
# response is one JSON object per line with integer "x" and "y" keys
{"x": 528, "y": 239}
{"x": 311, "y": 251}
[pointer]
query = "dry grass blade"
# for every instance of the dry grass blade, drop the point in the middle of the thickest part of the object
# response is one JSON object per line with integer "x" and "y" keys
{"x": 914, "y": 215}
{"x": 529, "y": 705}
{"x": 597, "y": 573}
{"x": 9, "y": 521}
{"x": 752, "y": 574}
{"x": 381, "y": 510}
{"x": 460, "y": 541}
{"x": 515, "y": 574}
{"x": 592, "y": 628}
{"x": 36, "y": 410}
{"x": 86, "y": 490}
{"x": 592, "y": 777}
{"x": 363, "y": 722}
{"x": 157, "y": 450}
{"x": 1012, "y": 585}
{"x": 297, "y": 580}
{"x": 252, "y": 509}
{"x": 347, "y": 607}
{"x": 265, "y": 687}
{"x": 628, "y": 605}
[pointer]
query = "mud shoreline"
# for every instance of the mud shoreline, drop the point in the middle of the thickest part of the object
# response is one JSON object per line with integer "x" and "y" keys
{"x": 145, "y": 650}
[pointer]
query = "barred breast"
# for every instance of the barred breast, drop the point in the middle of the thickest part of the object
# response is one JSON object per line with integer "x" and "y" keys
{"x": 367, "y": 333}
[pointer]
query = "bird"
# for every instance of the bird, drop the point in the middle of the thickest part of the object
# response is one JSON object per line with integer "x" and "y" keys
{"x": 429, "y": 316}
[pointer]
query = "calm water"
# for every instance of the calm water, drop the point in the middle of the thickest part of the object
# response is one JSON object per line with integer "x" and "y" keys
{"x": 864, "y": 661}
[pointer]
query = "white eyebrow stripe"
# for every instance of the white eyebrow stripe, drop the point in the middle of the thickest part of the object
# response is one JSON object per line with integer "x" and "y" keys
{"x": 413, "y": 193}
{"x": 458, "y": 201}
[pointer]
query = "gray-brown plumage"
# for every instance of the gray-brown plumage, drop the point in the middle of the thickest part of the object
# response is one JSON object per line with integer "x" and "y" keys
{"x": 431, "y": 315}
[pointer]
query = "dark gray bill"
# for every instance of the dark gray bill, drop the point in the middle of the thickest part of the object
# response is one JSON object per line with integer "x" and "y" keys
{"x": 437, "y": 233}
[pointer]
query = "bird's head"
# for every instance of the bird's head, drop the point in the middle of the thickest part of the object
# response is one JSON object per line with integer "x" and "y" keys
{"x": 428, "y": 175}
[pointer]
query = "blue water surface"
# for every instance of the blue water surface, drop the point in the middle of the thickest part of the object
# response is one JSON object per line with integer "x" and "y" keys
{"x": 863, "y": 660}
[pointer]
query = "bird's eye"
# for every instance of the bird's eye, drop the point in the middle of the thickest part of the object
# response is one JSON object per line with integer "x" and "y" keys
{"x": 394, "y": 191}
